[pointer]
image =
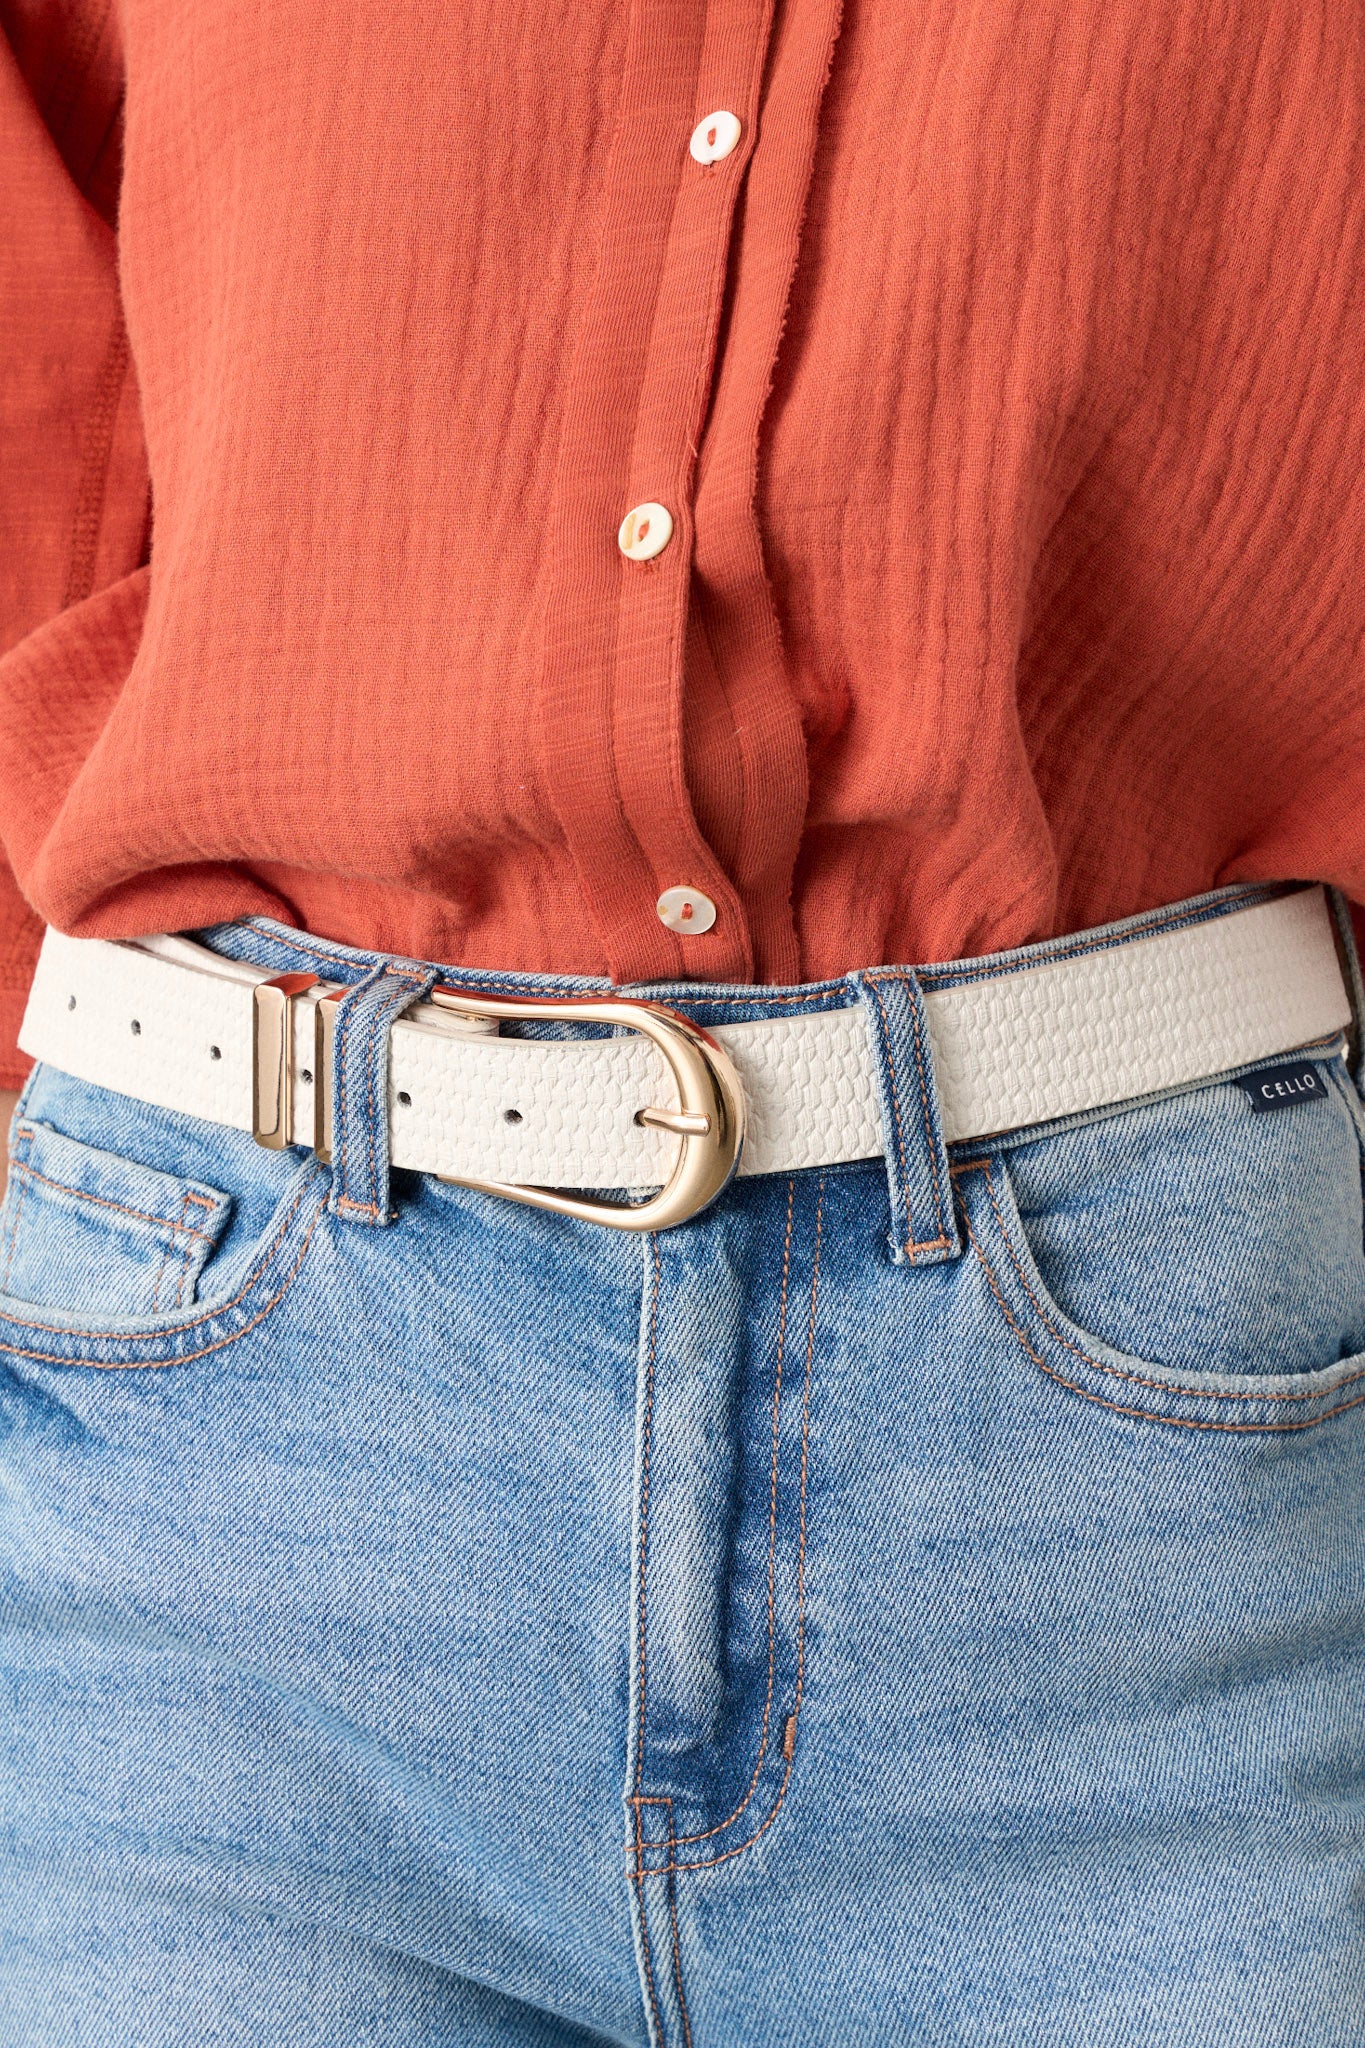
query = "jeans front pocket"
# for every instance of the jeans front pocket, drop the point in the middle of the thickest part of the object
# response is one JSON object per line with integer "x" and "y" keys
{"x": 83, "y": 1227}
{"x": 1082, "y": 1363}
{"x": 133, "y": 1236}
{"x": 1200, "y": 1232}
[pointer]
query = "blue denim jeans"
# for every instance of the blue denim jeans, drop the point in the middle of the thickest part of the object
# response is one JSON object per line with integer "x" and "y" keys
{"x": 424, "y": 1620}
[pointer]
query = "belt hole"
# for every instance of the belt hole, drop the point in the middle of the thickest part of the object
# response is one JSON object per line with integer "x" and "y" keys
{"x": 405, "y": 1098}
{"x": 71, "y": 1002}
{"x": 215, "y": 1052}
{"x": 511, "y": 1116}
{"x": 137, "y": 1029}
{"x": 306, "y": 1076}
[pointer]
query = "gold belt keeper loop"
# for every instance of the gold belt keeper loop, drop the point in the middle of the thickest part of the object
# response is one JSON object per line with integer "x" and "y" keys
{"x": 324, "y": 1034}
{"x": 272, "y": 1058}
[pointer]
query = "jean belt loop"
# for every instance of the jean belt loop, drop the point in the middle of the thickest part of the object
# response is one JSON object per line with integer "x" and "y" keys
{"x": 1349, "y": 950}
{"x": 924, "y": 1227}
{"x": 359, "y": 1089}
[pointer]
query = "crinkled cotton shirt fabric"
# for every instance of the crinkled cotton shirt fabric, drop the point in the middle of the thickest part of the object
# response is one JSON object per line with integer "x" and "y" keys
{"x": 1002, "y": 384}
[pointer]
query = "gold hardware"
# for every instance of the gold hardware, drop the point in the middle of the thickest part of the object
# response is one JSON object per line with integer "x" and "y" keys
{"x": 272, "y": 1058}
{"x": 709, "y": 1121}
{"x": 324, "y": 1031}
{"x": 673, "y": 1120}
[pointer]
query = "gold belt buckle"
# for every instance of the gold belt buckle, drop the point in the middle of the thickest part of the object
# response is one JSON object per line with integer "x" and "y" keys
{"x": 709, "y": 1121}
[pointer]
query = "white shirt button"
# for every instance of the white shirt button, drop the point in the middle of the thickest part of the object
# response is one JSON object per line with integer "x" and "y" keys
{"x": 715, "y": 137}
{"x": 645, "y": 532}
{"x": 686, "y": 910}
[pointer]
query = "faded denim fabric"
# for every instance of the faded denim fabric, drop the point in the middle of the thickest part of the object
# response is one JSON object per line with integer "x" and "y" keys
{"x": 920, "y": 1602}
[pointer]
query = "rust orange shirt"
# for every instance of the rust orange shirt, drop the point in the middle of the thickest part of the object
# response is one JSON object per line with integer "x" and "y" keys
{"x": 1004, "y": 383}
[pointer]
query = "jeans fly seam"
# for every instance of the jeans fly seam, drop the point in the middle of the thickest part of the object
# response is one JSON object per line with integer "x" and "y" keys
{"x": 209, "y": 1315}
{"x": 727, "y": 1855}
{"x": 1116, "y": 1372}
{"x": 645, "y": 1452}
{"x": 677, "y": 1957}
{"x": 644, "y": 1937}
{"x": 1148, "y": 1414}
{"x": 638, "y": 1876}
{"x": 707, "y": 1833}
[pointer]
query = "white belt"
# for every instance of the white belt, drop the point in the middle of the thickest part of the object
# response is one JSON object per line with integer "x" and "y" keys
{"x": 172, "y": 1024}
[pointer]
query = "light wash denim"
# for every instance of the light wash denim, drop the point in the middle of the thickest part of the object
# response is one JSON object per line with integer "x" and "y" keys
{"x": 917, "y": 1602}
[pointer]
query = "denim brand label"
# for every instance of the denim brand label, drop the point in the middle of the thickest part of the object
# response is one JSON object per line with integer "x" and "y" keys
{"x": 1282, "y": 1087}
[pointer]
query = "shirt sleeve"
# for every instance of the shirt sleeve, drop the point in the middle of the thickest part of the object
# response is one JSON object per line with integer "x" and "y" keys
{"x": 73, "y": 483}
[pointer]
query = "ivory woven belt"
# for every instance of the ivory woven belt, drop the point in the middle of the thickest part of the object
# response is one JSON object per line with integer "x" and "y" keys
{"x": 665, "y": 1104}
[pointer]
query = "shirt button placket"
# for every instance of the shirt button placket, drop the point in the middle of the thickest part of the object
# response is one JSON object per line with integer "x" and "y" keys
{"x": 616, "y": 645}
{"x": 647, "y": 529}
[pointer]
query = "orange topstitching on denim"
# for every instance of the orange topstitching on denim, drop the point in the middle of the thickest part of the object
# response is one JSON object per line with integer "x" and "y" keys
{"x": 1159, "y": 1386}
{"x": 27, "y": 1172}
{"x": 209, "y": 1315}
{"x": 677, "y": 1965}
{"x": 710, "y": 1862}
{"x": 1118, "y": 1372}
{"x": 646, "y": 1430}
{"x": 721, "y": 1826}
{"x": 650, "y": 1990}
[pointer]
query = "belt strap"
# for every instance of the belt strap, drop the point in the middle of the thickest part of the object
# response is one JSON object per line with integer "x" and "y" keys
{"x": 171, "y": 1023}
